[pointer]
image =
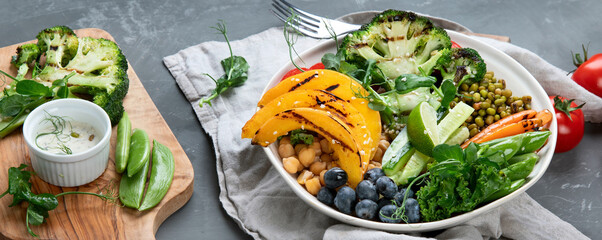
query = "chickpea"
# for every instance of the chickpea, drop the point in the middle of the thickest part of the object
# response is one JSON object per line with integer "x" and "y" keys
{"x": 291, "y": 164}
{"x": 317, "y": 167}
{"x": 304, "y": 176}
{"x": 383, "y": 145}
{"x": 313, "y": 185}
{"x": 325, "y": 157}
{"x": 285, "y": 139}
{"x": 300, "y": 167}
{"x": 325, "y": 146}
{"x": 322, "y": 177}
{"x": 307, "y": 156}
{"x": 298, "y": 148}
{"x": 316, "y": 146}
{"x": 286, "y": 150}
{"x": 371, "y": 166}
{"x": 378, "y": 155}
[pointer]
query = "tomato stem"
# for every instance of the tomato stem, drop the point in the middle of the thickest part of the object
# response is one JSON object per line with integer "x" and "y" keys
{"x": 565, "y": 106}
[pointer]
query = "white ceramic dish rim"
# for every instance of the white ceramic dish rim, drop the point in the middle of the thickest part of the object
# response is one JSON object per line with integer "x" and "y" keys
{"x": 60, "y": 158}
{"x": 539, "y": 97}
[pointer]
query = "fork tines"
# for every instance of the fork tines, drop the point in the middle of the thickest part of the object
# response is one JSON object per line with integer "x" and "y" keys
{"x": 303, "y": 21}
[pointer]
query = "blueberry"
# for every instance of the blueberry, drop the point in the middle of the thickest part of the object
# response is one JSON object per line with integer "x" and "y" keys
{"x": 410, "y": 192}
{"x": 366, "y": 209}
{"x": 386, "y": 212}
{"x": 345, "y": 200}
{"x": 386, "y": 187}
{"x": 373, "y": 174}
{"x": 383, "y": 202}
{"x": 335, "y": 177}
{"x": 399, "y": 196}
{"x": 326, "y": 196}
{"x": 366, "y": 190}
{"x": 412, "y": 210}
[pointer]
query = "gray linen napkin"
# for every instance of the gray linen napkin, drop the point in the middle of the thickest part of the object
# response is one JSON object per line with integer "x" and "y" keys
{"x": 261, "y": 203}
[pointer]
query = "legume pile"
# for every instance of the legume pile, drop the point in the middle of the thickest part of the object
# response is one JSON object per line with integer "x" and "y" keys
{"x": 491, "y": 101}
{"x": 312, "y": 161}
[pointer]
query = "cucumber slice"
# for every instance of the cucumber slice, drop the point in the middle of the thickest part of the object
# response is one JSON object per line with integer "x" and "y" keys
{"x": 453, "y": 120}
{"x": 447, "y": 127}
{"x": 458, "y": 136}
{"x": 413, "y": 168}
{"x": 398, "y": 153}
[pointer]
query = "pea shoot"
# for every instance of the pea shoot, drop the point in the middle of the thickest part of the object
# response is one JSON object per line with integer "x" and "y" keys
{"x": 236, "y": 70}
{"x": 19, "y": 187}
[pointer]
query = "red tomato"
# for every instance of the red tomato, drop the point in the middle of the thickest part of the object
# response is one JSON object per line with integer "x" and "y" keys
{"x": 589, "y": 72}
{"x": 296, "y": 71}
{"x": 292, "y": 72}
{"x": 317, "y": 66}
{"x": 455, "y": 45}
{"x": 570, "y": 127}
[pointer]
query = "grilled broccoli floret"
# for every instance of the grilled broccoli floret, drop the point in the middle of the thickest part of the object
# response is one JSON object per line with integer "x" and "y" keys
{"x": 59, "y": 44}
{"x": 100, "y": 74}
{"x": 27, "y": 55}
{"x": 463, "y": 65}
{"x": 401, "y": 43}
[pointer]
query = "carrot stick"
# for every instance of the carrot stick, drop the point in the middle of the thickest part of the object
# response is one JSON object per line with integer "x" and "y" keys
{"x": 545, "y": 115}
{"x": 512, "y": 129}
{"x": 514, "y": 118}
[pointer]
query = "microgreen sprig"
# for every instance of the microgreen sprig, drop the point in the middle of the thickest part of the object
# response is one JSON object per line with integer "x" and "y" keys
{"x": 235, "y": 68}
{"x": 19, "y": 186}
{"x": 291, "y": 35}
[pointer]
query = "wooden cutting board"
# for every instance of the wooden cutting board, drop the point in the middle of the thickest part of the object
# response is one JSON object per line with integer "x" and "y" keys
{"x": 85, "y": 216}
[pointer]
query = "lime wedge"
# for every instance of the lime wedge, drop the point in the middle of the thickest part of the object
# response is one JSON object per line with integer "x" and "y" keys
{"x": 422, "y": 128}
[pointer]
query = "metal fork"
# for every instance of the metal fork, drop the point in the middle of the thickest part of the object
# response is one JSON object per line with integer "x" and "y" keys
{"x": 309, "y": 24}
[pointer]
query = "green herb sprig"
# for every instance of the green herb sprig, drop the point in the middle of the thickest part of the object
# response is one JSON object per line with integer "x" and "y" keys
{"x": 291, "y": 35}
{"x": 235, "y": 68}
{"x": 62, "y": 131}
{"x": 24, "y": 96}
{"x": 19, "y": 187}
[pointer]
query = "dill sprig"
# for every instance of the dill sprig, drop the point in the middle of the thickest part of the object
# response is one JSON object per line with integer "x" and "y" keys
{"x": 59, "y": 125}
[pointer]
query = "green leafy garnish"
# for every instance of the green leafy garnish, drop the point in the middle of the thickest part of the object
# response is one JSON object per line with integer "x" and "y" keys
{"x": 235, "y": 68}
{"x": 27, "y": 95}
{"x": 459, "y": 181}
{"x": 301, "y": 136}
{"x": 410, "y": 82}
{"x": 19, "y": 187}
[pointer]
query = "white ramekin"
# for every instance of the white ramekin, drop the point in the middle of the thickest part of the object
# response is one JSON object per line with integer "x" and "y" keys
{"x": 79, "y": 168}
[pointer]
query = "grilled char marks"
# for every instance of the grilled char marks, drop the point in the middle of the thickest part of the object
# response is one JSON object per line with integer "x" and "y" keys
{"x": 304, "y": 121}
{"x": 303, "y": 82}
{"x": 333, "y": 87}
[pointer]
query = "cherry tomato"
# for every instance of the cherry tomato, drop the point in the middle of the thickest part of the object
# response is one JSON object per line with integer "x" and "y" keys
{"x": 589, "y": 72}
{"x": 570, "y": 123}
{"x": 292, "y": 72}
{"x": 317, "y": 66}
{"x": 296, "y": 71}
{"x": 455, "y": 45}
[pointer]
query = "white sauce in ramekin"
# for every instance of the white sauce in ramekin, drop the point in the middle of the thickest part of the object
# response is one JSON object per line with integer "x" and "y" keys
{"x": 75, "y": 136}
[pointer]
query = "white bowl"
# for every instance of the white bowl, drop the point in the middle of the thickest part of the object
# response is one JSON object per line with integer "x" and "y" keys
{"x": 518, "y": 79}
{"x": 78, "y": 168}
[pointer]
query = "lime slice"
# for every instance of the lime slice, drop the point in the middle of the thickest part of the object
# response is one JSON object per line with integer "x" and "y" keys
{"x": 422, "y": 128}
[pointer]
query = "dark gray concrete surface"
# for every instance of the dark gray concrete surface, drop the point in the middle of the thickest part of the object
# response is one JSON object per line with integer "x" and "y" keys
{"x": 149, "y": 30}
